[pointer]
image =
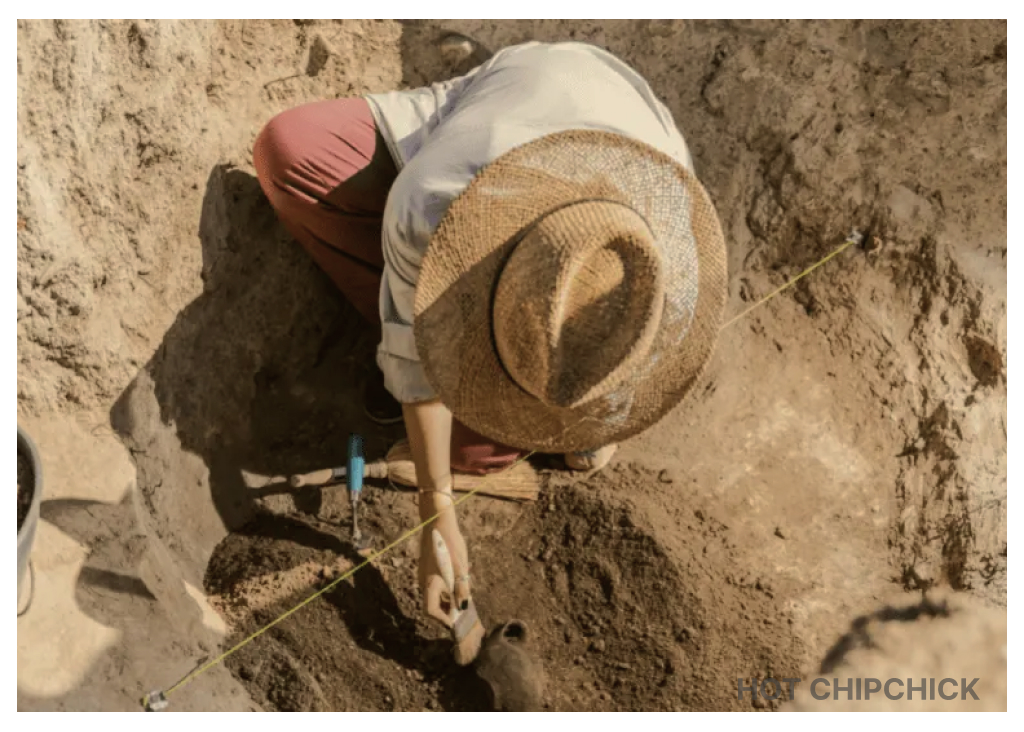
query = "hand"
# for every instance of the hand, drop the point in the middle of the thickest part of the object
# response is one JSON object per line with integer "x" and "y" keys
{"x": 452, "y": 607}
{"x": 429, "y": 426}
{"x": 439, "y": 601}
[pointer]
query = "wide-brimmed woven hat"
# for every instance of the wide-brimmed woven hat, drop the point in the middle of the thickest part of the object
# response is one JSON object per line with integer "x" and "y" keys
{"x": 572, "y": 294}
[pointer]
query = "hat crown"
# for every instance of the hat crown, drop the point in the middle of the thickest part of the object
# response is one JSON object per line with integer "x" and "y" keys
{"x": 578, "y": 302}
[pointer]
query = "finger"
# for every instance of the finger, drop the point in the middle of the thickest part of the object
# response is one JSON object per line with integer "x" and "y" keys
{"x": 435, "y": 588}
{"x": 462, "y": 593}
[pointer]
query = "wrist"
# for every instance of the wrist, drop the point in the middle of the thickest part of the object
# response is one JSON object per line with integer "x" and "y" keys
{"x": 434, "y": 497}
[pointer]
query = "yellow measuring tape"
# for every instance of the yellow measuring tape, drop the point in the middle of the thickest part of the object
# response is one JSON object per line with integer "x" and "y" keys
{"x": 854, "y": 238}
{"x": 157, "y": 700}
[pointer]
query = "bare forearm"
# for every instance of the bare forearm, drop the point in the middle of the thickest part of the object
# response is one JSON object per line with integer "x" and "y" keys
{"x": 429, "y": 427}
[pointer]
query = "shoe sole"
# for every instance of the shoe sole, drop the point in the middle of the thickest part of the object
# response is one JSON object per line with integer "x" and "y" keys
{"x": 382, "y": 421}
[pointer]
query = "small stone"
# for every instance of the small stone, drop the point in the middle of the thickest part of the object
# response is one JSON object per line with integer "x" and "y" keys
{"x": 665, "y": 476}
{"x": 397, "y": 561}
{"x": 597, "y": 646}
{"x": 319, "y": 54}
{"x": 758, "y": 702}
{"x": 456, "y": 48}
{"x": 623, "y": 666}
{"x": 778, "y": 532}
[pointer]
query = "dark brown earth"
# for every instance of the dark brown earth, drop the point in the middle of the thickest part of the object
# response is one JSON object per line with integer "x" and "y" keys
{"x": 622, "y": 620}
{"x": 26, "y": 487}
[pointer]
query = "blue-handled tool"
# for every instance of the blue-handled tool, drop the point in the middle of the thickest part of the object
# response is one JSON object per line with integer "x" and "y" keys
{"x": 356, "y": 467}
{"x": 353, "y": 473}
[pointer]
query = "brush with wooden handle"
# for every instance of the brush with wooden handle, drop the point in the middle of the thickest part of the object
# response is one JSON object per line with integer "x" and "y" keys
{"x": 518, "y": 483}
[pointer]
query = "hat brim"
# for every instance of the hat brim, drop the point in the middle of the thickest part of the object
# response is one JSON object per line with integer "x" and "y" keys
{"x": 481, "y": 228}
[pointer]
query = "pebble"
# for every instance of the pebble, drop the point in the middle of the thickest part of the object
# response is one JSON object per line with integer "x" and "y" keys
{"x": 665, "y": 476}
{"x": 456, "y": 47}
{"x": 597, "y": 646}
{"x": 397, "y": 561}
{"x": 778, "y": 532}
{"x": 623, "y": 666}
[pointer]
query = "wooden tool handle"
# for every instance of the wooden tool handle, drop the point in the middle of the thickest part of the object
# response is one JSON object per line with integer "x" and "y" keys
{"x": 317, "y": 477}
{"x": 377, "y": 470}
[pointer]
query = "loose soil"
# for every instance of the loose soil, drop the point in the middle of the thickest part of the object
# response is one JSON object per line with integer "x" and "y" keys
{"x": 26, "y": 487}
{"x": 624, "y": 616}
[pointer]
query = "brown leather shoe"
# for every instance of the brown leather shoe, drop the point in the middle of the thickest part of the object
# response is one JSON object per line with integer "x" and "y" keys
{"x": 378, "y": 403}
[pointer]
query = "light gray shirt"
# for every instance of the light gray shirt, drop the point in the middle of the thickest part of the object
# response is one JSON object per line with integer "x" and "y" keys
{"x": 441, "y": 135}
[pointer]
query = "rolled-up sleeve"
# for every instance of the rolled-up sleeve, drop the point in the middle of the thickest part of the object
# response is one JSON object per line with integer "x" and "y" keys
{"x": 397, "y": 356}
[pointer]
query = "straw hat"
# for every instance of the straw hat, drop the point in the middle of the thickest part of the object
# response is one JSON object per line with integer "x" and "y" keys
{"x": 572, "y": 294}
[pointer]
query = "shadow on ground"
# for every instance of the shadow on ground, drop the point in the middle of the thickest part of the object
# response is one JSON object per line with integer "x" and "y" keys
{"x": 262, "y": 372}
